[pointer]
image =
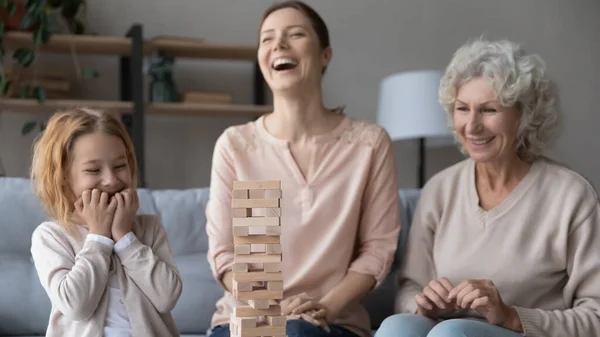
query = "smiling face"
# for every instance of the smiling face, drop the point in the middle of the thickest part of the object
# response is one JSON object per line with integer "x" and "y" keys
{"x": 289, "y": 52}
{"x": 486, "y": 129}
{"x": 99, "y": 161}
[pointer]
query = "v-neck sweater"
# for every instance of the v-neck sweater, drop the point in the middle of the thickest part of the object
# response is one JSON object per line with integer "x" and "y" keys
{"x": 343, "y": 217}
{"x": 540, "y": 246}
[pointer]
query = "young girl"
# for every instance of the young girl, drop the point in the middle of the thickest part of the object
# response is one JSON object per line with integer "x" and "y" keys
{"x": 108, "y": 272}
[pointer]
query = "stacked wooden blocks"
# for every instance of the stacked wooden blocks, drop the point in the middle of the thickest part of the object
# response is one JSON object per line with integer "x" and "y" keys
{"x": 257, "y": 280}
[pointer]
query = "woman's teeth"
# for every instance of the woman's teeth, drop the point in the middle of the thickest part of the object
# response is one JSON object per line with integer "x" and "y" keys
{"x": 481, "y": 141}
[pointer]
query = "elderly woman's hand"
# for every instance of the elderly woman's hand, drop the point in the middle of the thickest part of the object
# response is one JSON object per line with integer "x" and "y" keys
{"x": 483, "y": 296}
{"x": 433, "y": 302}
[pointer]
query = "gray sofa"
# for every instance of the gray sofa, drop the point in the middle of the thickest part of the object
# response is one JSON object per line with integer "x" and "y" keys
{"x": 24, "y": 306}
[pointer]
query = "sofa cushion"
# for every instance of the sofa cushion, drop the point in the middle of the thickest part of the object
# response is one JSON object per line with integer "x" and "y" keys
{"x": 24, "y": 305}
{"x": 20, "y": 212}
{"x": 182, "y": 214}
{"x": 200, "y": 292}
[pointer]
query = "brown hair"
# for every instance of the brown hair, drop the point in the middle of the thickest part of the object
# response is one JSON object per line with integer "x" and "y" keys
{"x": 52, "y": 156}
{"x": 315, "y": 19}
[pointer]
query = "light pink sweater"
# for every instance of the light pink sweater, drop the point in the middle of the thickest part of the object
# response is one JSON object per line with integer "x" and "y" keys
{"x": 344, "y": 217}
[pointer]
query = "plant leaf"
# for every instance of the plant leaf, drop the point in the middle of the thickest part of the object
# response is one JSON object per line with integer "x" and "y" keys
{"x": 28, "y": 127}
{"x": 87, "y": 73}
{"x": 28, "y": 20}
{"x": 77, "y": 27}
{"x": 3, "y": 3}
{"x": 25, "y": 90}
{"x": 38, "y": 36}
{"x": 40, "y": 93}
{"x": 70, "y": 9}
{"x": 42, "y": 126}
{"x": 4, "y": 85}
{"x": 54, "y": 3}
{"x": 27, "y": 58}
{"x": 11, "y": 8}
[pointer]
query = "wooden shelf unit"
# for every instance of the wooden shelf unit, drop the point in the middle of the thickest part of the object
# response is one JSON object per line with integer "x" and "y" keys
{"x": 125, "y": 108}
{"x": 115, "y": 45}
{"x": 62, "y": 43}
{"x": 132, "y": 49}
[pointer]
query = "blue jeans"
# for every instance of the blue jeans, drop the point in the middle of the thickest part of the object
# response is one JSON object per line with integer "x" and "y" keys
{"x": 294, "y": 328}
{"x": 410, "y": 325}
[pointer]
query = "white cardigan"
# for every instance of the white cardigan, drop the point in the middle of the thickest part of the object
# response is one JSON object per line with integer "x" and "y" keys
{"x": 75, "y": 273}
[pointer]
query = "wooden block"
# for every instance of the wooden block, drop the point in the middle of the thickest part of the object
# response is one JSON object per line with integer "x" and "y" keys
{"x": 206, "y": 97}
{"x": 254, "y": 203}
{"x": 245, "y": 322}
{"x": 257, "y": 258}
{"x": 264, "y": 194}
{"x": 257, "y": 185}
{"x": 272, "y": 267}
{"x": 239, "y": 267}
{"x": 273, "y": 310}
{"x": 259, "y": 304}
{"x": 255, "y": 240}
{"x": 272, "y": 230}
{"x": 275, "y": 285}
{"x": 272, "y": 194}
{"x": 239, "y": 194}
{"x": 258, "y": 276}
{"x": 277, "y": 320}
{"x": 273, "y": 248}
{"x": 234, "y": 330}
{"x": 256, "y": 194}
{"x": 243, "y": 249}
{"x": 240, "y": 231}
{"x": 263, "y": 330}
{"x": 241, "y": 212}
{"x": 243, "y": 286}
{"x": 262, "y": 221}
{"x": 266, "y": 212}
{"x": 260, "y": 295}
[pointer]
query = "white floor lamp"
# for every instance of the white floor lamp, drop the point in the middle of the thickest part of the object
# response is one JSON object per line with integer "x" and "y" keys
{"x": 409, "y": 109}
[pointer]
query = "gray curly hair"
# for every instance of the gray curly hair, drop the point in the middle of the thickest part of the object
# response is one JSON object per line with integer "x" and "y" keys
{"x": 519, "y": 79}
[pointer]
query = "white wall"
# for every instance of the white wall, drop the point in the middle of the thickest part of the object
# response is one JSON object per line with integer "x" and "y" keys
{"x": 371, "y": 39}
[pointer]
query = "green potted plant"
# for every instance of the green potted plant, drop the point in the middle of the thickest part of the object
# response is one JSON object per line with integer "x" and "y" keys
{"x": 42, "y": 18}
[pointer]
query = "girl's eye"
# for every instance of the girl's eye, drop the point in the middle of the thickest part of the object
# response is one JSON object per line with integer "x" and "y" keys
{"x": 120, "y": 166}
{"x": 92, "y": 170}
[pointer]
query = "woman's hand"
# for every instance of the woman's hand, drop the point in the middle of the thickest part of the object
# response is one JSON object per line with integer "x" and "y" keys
{"x": 310, "y": 317}
{"x": 95, "y": 208}
{"x": 483, "y": 296}
{"x": 434, "y": 301}
{"x": 306, "y": 307}
{"x": 127, "y": 206}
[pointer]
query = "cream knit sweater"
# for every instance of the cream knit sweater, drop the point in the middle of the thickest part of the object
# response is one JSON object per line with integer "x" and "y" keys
{"x": 540, "y": 246}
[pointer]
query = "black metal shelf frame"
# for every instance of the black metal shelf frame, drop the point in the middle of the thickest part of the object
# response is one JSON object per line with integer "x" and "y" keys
{"x": 131, "y": 82}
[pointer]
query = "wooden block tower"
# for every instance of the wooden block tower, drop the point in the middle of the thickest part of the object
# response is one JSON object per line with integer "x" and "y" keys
{"x": 256, "y": 219}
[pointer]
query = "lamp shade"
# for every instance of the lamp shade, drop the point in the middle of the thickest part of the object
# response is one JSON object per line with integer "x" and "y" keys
{"x": 409, "y": 108}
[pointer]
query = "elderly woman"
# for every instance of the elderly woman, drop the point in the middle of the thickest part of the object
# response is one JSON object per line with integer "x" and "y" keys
{"x": 505, "y": 243}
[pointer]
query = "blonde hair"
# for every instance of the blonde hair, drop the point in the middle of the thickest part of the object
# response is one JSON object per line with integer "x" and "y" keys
{"x": 52, "y": 156}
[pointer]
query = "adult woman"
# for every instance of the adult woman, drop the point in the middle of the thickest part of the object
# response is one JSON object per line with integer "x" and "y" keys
{"x": 505, "y": 238}
{"x": 340, "y": 214}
